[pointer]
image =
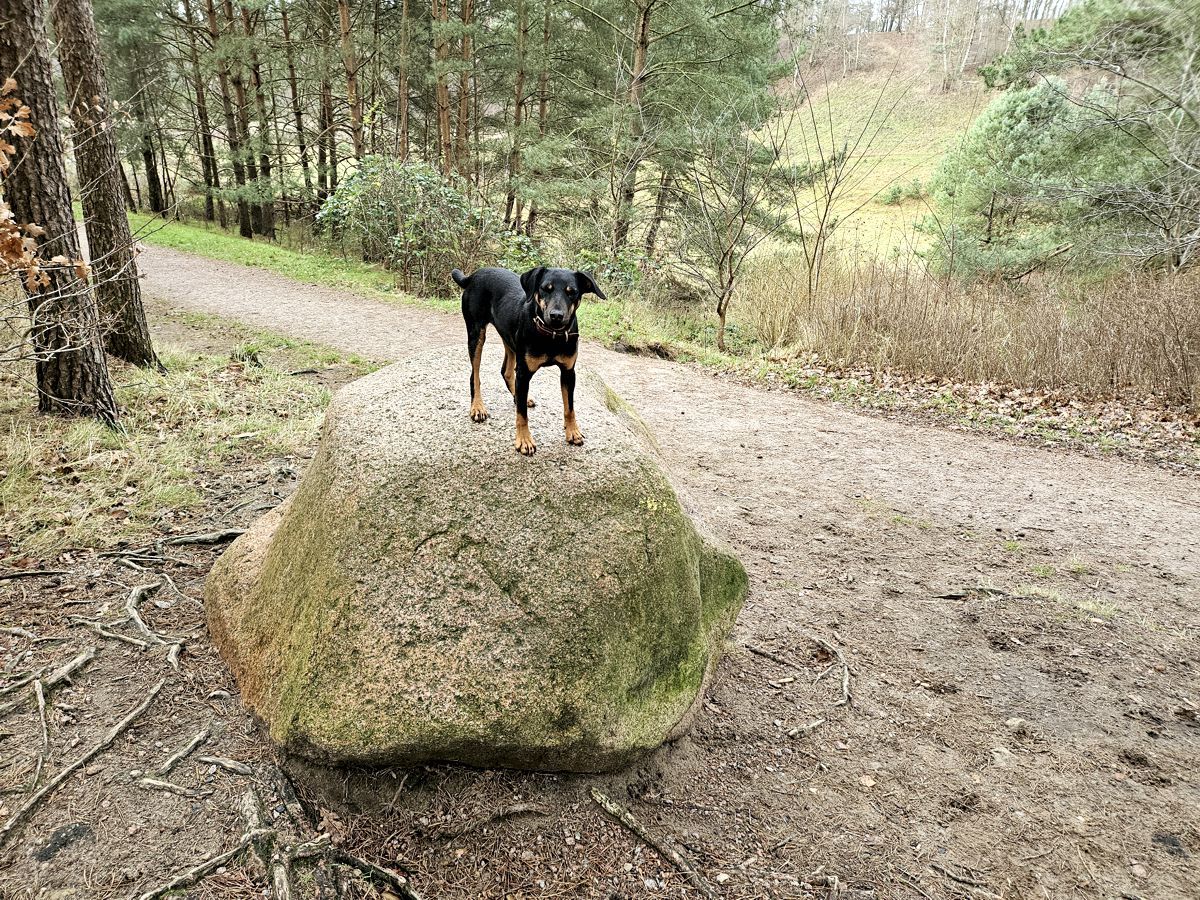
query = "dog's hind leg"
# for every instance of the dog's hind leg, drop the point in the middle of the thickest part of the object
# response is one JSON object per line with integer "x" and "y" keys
{"x": 476, "y": 334}
{"x": 508, "y": 370}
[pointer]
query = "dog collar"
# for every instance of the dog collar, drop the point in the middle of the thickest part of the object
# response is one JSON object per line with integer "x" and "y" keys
{"x": 550, "y": 332}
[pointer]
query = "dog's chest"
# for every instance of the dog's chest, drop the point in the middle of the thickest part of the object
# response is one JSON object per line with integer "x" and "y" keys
{"x": 534, "y": 361}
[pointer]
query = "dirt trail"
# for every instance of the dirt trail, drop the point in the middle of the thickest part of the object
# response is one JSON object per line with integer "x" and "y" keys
{"x": 1021, "y": 626}
{"x": 779, "y": 447}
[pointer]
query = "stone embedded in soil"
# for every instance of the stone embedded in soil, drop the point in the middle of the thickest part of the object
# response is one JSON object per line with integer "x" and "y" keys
{"x": 429, "y": 594}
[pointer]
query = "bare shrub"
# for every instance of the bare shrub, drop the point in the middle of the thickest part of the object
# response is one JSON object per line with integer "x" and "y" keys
{"x": 1132, "y": 335}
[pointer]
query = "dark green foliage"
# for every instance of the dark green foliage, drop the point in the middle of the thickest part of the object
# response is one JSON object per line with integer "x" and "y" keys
{"x": 1091, "y": 155}
{"x": 414, "y": 220}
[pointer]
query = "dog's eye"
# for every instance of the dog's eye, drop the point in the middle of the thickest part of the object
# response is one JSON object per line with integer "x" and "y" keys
{"x": 547, "y": 289}
{"x": 570, "y": 290}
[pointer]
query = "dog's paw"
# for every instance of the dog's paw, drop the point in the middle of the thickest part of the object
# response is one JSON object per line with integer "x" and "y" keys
{"x": 575, "y": 437}
{"x": 525, "y": 445}
{"x": 479, "y": 413}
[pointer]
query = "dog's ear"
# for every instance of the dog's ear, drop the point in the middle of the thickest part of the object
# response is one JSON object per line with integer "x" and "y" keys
{"x": 587, "y": 285}
{"x": 531, "y": 279}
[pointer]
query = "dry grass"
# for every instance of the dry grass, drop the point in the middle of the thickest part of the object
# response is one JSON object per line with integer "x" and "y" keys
{"x": 1130, "y": 336}
{"x": 76, "y": 483}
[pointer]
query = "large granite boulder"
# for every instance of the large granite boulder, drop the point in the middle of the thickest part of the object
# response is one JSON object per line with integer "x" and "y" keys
{"x": 429, "y": 594}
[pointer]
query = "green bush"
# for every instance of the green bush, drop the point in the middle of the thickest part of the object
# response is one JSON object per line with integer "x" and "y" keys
{"x": 898, "y": 193}
{"x": 415, "y": 221}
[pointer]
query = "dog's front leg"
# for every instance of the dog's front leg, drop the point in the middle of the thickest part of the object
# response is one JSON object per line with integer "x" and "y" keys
{"x": 566, "y": 381}
{"x": 524, "y": 440}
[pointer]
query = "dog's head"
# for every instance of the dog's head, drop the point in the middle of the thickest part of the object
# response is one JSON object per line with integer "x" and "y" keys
{"x": 556, "y": 293}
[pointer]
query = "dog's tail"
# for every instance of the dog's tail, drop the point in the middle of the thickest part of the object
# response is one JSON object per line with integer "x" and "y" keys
{"x": 459, "y": 278}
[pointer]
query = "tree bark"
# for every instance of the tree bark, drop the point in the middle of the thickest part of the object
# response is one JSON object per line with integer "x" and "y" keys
{"x": 267, "y": 192}
{"x": 543, "y": 104}
{"x": 208, "y": 154}
{"x": 441, "y": 51}
{"x": 462, "y": 152}
{"x": 245, "y": 227}
{"x": 294, "y": 91}
{"x": 629, "y": 165}
{"x": 323, "y": 125}
{"x": 330, "y": 136}
{"x": 660, "y": 212}
{"x": 512, "y": 205}
{"x": 402, "y": 86}
{"x": 118, "y": 291}
{"x": 71, "y": 371}
{"x": 125, "y": 187}
{"x": 149, "y": 163}
{"x": 242, "y": 123}
{"x": 350, "y": 64}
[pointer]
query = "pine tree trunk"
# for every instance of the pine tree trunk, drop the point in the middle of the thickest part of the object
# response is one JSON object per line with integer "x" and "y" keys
{"x": 462, "y": 152}
{"x": 71, "y": 371}
{"x": 350, "y": 64}
{"x": 125, "y": 187}
{"x": 137, "y": 185}
{"x": 168, "y": 182}
{"x": 660, "y": 212}
{"x": 245, "y": 228}
{"x": 242, "y": 124}
{"x": 149, "y": 163}
{"x": 118, "y": 292}
{"x": 330, "y": 136}
{"x": 294, "y": 92}
{"x": 632, "y": 160}
{"x": 543, "y": 104}
{"x": 512, "y": 206}
{"x": 441, "y": 49}
{"x": 323, "y": 126}
{"x": 402, "y": 86}
{"x": 267, "y": 201}
{"x": 208, "y": 153}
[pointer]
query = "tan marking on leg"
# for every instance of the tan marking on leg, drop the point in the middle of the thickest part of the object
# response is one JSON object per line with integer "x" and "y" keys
{"x": 510, "y": 375}
{"x": 524, "y": 440}
{"x": 533, "y": 363}
{"x": 570, "y": 427}
{"x": 568, "y": 361}
{"x": 479, "y": 412}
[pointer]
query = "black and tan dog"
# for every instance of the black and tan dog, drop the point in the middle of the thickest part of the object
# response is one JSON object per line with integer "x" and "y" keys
{"x": 535, "y": 316}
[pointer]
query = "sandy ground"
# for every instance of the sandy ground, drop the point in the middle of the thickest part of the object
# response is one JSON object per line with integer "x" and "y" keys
{"x": 1022, "y": 628}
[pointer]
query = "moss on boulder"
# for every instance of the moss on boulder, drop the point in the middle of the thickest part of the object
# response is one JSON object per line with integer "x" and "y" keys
{"x": 429, "y": 594}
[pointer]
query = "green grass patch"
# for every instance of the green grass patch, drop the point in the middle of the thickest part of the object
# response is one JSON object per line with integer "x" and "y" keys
{"x": 312, "y": 266}
{"x": 76, "y": 483}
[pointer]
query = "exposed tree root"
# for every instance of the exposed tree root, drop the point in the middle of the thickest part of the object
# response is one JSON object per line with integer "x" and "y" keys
{"x": 211, "y": 537}
{"x": 508, "y": 812}
{"x": 229, "y": 765}
{"x": 8, "y": 828}
{"x": 196, "y": 873}
{"x": 847, "y": 699}
{"x": 664, "y": 847}
{"x": 156, "y": 784}
{"x": 774, "y": 657}
{"x": 177, "y": 757}
{"x": 39, "y": 573}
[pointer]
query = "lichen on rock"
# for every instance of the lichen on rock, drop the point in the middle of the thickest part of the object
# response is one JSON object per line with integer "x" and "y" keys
{"x": 429, "y": 594}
